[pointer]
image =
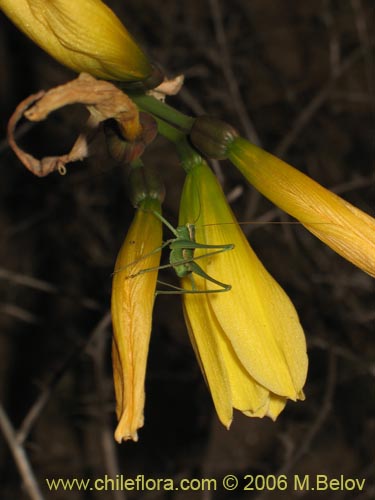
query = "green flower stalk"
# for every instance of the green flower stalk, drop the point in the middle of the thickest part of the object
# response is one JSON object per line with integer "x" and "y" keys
{"x": 84, "y": 35}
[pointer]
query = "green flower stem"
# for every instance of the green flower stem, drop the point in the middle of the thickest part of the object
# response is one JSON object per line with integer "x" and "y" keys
{"x": 143, "y": 183}
{"x": 189, "y": 157}
{"x": 161, "y": 110}
{"x": 169, "y": 131}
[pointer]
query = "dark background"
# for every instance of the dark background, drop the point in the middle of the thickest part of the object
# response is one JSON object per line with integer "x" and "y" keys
{"x": 297, "y": 76}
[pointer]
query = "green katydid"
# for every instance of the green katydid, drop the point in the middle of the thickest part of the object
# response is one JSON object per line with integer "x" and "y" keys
{"x": 183, "y": 261}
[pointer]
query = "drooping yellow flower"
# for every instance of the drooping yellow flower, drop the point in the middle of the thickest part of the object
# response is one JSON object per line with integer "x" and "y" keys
{"x": 84, "y": 35}
{"x": 133, "y": 296}
{"x": 343, "y": 227}
{"x": 249, "y": 341}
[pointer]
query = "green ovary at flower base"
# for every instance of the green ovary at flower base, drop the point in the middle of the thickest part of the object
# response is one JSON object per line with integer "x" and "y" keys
{"x": 84, "y": 35}
{"x": 343, "y": 227}
{"x": 249, "y": 341}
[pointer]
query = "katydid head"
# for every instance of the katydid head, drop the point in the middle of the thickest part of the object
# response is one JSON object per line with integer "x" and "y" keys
{"x": 186, "y": 232}
{"x": 183, "y": 232}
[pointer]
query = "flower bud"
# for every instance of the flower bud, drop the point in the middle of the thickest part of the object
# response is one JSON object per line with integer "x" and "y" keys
{"x": 84, "y": 35}
{"x": 343, "y": 227}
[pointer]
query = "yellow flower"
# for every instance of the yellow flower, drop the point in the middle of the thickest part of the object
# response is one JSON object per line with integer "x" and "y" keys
{"x": 343, "y": 227}
{"x": 249, "y": 342}
{"x": 85, "y": 35}
{"x": 133, "y": 297}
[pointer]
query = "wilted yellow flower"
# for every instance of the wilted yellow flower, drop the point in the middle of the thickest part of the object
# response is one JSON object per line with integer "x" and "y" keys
{"x": 343, "y": 227}
{"x": 249, "y": 341}
{"x": 133, "y": 298}
{"x": 84, "y": 35}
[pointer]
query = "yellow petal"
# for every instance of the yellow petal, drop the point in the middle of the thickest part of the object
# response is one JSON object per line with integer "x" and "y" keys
{"x": 247, "y": 394}
{"x": 273, "y": 407}
{"x": 343, "y": 227}
{"x": 266, "y": 333}
{"x": 84, "y": 35}
{"x": 203, "y": 332}
{"x": 276, "y": 406}
{"x": 256, "y": 315}
{"x": 132, "y": 303}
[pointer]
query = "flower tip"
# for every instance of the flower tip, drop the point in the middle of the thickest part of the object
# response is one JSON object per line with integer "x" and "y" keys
{"x": 301, "y": 396}
{"x": 121, "y": 436}
{"x": 272, "y": 417}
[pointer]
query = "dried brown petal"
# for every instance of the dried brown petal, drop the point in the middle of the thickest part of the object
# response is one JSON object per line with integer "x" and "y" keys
{"x": 102, "y": 99}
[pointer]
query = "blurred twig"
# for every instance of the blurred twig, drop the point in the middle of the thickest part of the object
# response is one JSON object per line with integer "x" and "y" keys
{"x": 334, "y": 39}
{"x": 362, "y": 364}
{"x": 36, "y": 409}
{"x": 46, "y": 287}
{"x": 324, "y": 410}
{"x": 364, "y": 38}
{"x": 19, "y": 313}
{"x": 16, "y": 439}
{"x": 96, "y": 349}
{"x": 237, "y": 100}
{"x": 20, "y": 457}
{"x": 317, "y": 101}
{"x": 226, "y": 59}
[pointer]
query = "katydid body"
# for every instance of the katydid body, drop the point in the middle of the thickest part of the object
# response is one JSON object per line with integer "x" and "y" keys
{"x": 183, "y": 261}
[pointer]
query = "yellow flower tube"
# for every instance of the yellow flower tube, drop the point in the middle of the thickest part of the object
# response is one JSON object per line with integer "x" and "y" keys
{"x": 84, "y": 35}
{"x": 133, "y": 298}
{"x": 343, "y": 227}
{"x": 248, "y": 340}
